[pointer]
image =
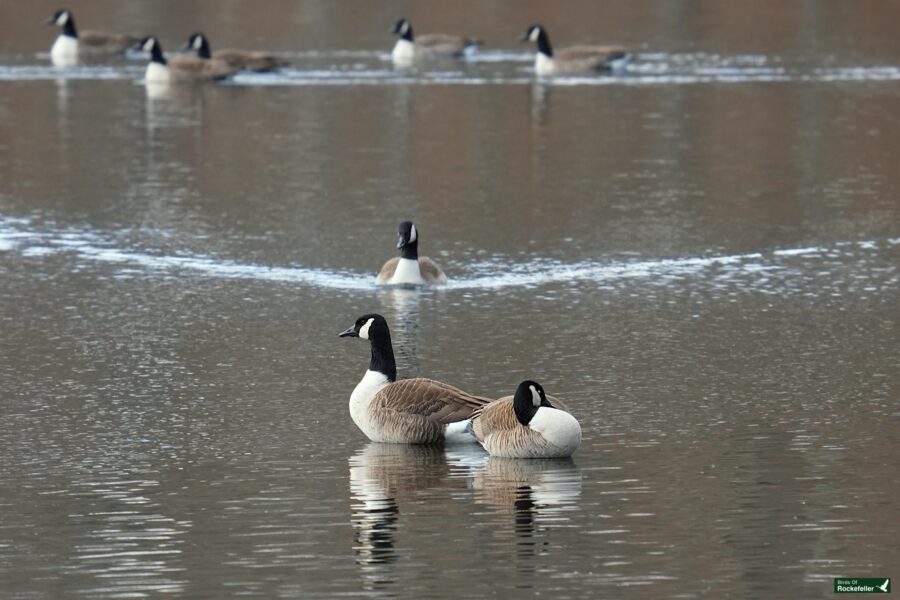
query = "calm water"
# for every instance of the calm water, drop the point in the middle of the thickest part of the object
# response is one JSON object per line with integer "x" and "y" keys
{"x": 701, "y": 255}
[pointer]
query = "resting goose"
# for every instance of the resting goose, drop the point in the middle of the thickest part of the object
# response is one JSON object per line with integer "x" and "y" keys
{"x": 526, "y": 425}
{"x": 409, "y": 268}
{"x": 574, "y": 60}
{"x": 69, "y": 45}
{"x": 410, "y": 411}
{"x": 434, "y": 45}
{"x": 181, "y": 69}
{"x": 243, "y": 60}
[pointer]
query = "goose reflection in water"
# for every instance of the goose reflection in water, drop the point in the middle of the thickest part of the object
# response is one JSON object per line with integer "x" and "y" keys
{"x": 384, "y": 477}
{"x": 538, "y": 493}
{"x": 405, "y": 304}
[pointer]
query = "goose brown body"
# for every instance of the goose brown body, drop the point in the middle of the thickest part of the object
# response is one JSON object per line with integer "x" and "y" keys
{"x": 409, "y": 411}
{"x": 501, "y": 431}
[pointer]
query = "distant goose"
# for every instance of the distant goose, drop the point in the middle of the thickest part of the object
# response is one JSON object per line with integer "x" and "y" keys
{"x": 69, "y": 45}
{"x": 181, "y": 69}
{"x": 526, "y": 425}
{"x": 574, "y": 60}
{"x": 410, "y": 411}
{"x": 434, "y": 45}
{"x": 243, "y": 60}
{"x": 409, "y": 268}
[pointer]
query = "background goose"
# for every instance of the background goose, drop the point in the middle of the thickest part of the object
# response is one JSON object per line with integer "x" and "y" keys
{"x": 243, "y": 60}
{"x": 411, "y": 411}
{"x": 573, "y": 60}
{"x": 181, "y": 69}
{"x": 69, "y": 44}
{"x": 433, "y": 45}
{"x": 409, "y": 267}
{"x": 526, "y": 425}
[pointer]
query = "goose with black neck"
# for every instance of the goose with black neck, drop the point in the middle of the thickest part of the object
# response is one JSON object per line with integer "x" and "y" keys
{"x": 409, "y": 268}
{"x": 409, "y": 411}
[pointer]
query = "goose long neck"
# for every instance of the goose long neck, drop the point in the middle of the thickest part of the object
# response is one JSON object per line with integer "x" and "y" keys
{"x": 156, "y": 55}
{"x": 408, "y": 36}
{"x": 68, "y": 29}
{"x": 383, "y": 356}
{"x": 543, "y": 44}
{"x": 410, "y": 251}
{"x": 204, "y": 51}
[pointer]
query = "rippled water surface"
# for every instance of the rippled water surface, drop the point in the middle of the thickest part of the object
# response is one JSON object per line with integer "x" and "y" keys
{"x": 700, "y": 254}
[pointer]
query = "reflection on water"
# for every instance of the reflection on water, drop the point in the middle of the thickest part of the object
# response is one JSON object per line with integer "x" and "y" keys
{"x": 383, "y": 478}
{"x": 702, "y": 253}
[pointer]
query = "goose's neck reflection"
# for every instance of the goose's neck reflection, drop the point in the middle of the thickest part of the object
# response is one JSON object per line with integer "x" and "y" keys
{"x": 539, "y": 493}
{"x": 382, "y": 478}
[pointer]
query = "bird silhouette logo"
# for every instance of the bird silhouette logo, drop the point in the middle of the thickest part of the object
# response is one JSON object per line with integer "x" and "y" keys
{"x": 884, "y": 587}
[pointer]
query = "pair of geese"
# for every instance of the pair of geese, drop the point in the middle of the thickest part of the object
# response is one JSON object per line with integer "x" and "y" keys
{"x": 70, "y": 45}
{"x": 528, "y": 424}
{"x": 568, "y": 61}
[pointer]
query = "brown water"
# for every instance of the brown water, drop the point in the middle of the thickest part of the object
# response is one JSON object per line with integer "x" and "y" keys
{"x": 699, "y": 254}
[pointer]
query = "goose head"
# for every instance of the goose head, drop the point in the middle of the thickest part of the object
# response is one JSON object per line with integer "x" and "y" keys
{"x": 61, "y": 18}
{"x": 368, "y": 327}
{"x": 529, "y": 398}
{"x": 403, "y": 28}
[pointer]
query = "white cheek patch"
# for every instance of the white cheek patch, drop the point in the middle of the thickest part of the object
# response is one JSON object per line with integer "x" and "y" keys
{"x": 198, "y": 42}
{"x": 148, "y": 45}
{"x": 412, "y": 234}
{"x": 62, "y": 19}
{"x": 534, "y": 34}
{"x": 404, "y": 28}
{"x": 535, "y": 396}
{"x": 364, "y": 330}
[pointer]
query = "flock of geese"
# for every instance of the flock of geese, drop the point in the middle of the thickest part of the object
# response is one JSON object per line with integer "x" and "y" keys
{"x": 207, "y": 65}
{"x": 528, "y": 424}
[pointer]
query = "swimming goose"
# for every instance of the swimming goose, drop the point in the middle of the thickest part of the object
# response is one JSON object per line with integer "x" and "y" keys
{"x": 243, "y": 60}
{"x": 181, "y": 69}
{"x": 434, "y": 45}
{"x": 410, "y": 411}
{"x": 69, "y": 45}
{"x": 574, "y": 60}
{"x": 526, "y": 425}
{"x": 409, "y": 268}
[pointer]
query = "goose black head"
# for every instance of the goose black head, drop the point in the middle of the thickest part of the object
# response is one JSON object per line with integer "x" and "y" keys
{"x": 61, "y": 18}
{"x": 529, "y": 398}
{"x": 198, "y": 43}
{"x": 367, "y": 327}
{"x": 403, "y": 28}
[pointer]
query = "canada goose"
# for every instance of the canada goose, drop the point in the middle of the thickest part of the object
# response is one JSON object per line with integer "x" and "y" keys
{"x": 243, "y": 60}
{"x": 181, "y": 69}
{"x": 410, "y": 411}
{"x": 69, "y": 45}
{"x": 526, "y": 425}
{"x": 409, "y": 268}
{"x": 434, "y": 45}
{"x": 577, "y": 59}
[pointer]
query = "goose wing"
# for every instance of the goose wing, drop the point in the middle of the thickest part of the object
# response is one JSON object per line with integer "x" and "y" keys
{"x": 427, "y": 398}
{"x": 100, "y": 41}
{"x": 388, "y": 269}
{"x": 588, "y": 57}
{"x": 440, "y": 43}
{"x": 248, "y": 60}
{"x": 190, "y": 68}
{"x": 430, "y": 271}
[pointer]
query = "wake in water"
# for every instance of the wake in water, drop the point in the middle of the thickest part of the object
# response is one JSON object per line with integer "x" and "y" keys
{"x": 19, "y": 237}
{"x": 490, "y": 67}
